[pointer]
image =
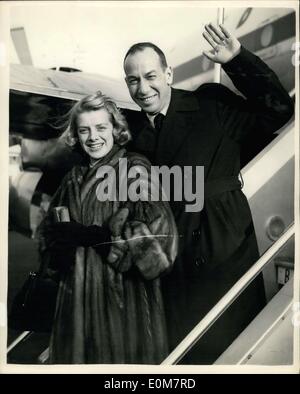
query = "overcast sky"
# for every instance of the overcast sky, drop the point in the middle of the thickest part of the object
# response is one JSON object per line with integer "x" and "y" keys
{"x": 95, "y": 36}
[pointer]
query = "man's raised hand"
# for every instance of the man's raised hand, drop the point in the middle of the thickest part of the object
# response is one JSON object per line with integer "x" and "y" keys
{"x": 224, "y": 46}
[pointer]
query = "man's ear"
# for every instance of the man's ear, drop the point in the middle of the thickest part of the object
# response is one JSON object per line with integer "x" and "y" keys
{"x": 169, "y": 75}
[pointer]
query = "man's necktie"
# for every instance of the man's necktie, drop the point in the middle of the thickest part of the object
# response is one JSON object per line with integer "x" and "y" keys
{"x": 158, "y": 121}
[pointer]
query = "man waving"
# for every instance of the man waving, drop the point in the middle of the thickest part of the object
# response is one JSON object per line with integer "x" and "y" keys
{"x": 206, "y": 127}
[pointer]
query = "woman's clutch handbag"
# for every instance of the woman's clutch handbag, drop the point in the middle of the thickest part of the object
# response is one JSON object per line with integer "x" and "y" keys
{"x": 34, "y": 306}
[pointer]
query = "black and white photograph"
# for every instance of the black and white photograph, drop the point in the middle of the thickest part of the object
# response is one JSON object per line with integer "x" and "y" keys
{"x": 151, "y": 199}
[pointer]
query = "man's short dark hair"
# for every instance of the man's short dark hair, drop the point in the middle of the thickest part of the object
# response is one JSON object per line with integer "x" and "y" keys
{"x": 140, "y": 46}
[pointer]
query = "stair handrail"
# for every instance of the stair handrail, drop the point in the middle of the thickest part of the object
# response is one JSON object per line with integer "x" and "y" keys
{"x": 208, "y": 320}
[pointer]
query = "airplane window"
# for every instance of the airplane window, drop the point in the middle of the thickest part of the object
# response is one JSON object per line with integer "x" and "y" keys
{"x": 275, "y": 227}
{"x": 266, "y": 36}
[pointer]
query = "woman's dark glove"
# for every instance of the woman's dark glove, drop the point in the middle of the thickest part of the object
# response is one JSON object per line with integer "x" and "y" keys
{"x": 64, "y": 234}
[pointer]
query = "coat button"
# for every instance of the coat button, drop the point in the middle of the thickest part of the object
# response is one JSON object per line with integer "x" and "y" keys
{"x": 196, "y": 234}
{"x": 199, "y": 261}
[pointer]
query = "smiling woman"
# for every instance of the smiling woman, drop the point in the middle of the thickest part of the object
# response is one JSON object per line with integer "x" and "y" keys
{"x": 110, "y": 256}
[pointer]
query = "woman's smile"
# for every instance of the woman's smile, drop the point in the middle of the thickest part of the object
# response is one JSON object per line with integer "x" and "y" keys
{"x": 95, "y": 146}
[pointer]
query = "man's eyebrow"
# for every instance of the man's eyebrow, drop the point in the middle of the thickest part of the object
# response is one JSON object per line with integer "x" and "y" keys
{"x": 147, "y": 73}
{"x": 150, "y": 72}
{"x": 131, "y": 76}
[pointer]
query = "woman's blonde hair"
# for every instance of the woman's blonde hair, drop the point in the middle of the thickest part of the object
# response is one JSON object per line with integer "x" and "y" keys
{"x": 94, "y": 102}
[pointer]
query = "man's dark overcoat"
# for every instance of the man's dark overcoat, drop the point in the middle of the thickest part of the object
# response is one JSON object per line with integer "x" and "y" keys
{"x": 217, "y": 245}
